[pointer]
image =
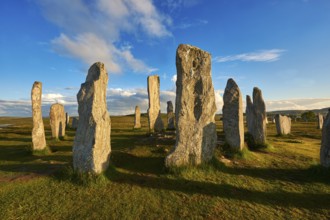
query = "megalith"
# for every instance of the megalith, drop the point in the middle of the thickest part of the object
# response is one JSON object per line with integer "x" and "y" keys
{"x": 325, "y": 144}
{"x": 137, "y": 118}
{"x": 67, "y": 119}
{"x": 38, "y": 130}
{"x": 159, "y": 125}
{"x": 233, "y": 123}
{"x": 91, "y": 149}
{"x": 194, "y": 108}
{"x": 256, "y": 117}
{"x": 283, "y": 124}
{"x": 75, "y": 122}
{"x": 57, "y": 120}
{"x": 154, "y": 103}
{"x": 320, "y": 120}
{"x": 170, "y": 116}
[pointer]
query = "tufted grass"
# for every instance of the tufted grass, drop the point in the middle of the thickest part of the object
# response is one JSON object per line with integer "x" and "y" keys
{"x": 281, "y": 182}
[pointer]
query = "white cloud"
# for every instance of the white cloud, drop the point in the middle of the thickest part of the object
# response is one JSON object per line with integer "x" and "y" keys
{"x": 174, "y": 78}
{"x": 259, "y": 56}
{"x": 91, "y": 31}
{"x": 297, "y": 104}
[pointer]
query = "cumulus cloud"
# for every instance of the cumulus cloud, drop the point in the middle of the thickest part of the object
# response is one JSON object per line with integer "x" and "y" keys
{"x": 174, "y": 78}
{"x": 92, "y": 30}
{"x": 258, "y": 56}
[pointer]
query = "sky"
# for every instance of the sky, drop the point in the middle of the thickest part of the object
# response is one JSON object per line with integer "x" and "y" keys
{"x": 280, "y": 46}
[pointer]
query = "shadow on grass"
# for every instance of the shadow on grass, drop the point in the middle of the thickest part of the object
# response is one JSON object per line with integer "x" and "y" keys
{"x": 278, "y": 198}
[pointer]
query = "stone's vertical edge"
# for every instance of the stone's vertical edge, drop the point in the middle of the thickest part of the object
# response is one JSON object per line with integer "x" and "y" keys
{"x": 249, "y": 114}
{"x": 137, "y": 118}
{"x": 194, "y": 108}
{"x": 325, "y": 144}
{"x": 92, "y": 147}
{"x": 38, "y": 131}
{"x": 75, "y": 121}
{"x": 154, "y": 104}
{"x": 57, "y": 120}
{"x": 320, "y": 120}
{"x": 233, "y": 124}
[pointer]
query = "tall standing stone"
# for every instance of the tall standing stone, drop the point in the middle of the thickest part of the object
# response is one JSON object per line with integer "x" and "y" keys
{"x": 320, "y": 120}
{"x": 256, "y": 117}
{"x": 92, "y": 148}
{"x": 57, "y": 120}
{"x": 194, "y": 108}
{"x": 325, "y": 144}
{"x": 170, "y": 116}
{"x": 67, "y": 119}
{"x": 283, "y": 124}
{"x": 137, "y": 119}
{"x": 154, "y": 103}
{"x": 233, "y": 124}
{"x": 38, "y": 131}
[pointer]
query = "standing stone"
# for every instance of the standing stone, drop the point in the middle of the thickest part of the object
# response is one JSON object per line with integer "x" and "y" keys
{"x": 249, "y": 114}
{"x": 256, "y": 117}
{"x": 67, "y": 119}
{"x": 233, "y": 124}
{"x": 137, "y": 119}
{"x": 320, "y": 121}
{"x": 170, "y": 116}
{"x": 159, "y": 125}
{"x": 38, "y": 131}
{"x": 283, "y": 124}
{"x": 194, "y": 108}
{"x": 91, "y": 149}
{"x": 75, "y": 122}
{"x": 57, "y": 120}
{"x": 154, "y": 103}
{"x": 325, "y": 144}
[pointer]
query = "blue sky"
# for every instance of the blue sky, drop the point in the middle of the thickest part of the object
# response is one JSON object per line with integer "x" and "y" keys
{"x": 281, "y": 46}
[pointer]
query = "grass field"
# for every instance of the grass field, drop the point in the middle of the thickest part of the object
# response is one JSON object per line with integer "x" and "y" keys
{"x": 283, "y": 182}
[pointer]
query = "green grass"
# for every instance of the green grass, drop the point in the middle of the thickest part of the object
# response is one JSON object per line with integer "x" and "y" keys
{"x": 281, "y": 182}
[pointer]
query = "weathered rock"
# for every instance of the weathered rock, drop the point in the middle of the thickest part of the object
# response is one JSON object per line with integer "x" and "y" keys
{"x": 232, "y": 111}
{"x": 256, "y": 117}
{"x": 38, "y": 131}
{"x": 325, "y": 144}
{"x": 159, "y": 125}
{"x": 75, "y": 122}
{"x": 194, "y": 108}
{"x": 57, "y": 120}
{"x": 170, "y": 116}
{"x": 320, "y": 120}
{"x": 92, "y": 148}
{"x": 154, "y": 103}
{"x": 67, "y": 119}
{"x": 137, "y": 119}
{"x": 283, "y": 124}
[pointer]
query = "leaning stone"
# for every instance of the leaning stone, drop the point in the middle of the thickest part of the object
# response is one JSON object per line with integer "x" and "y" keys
{"x": 92, "y": 148}
{"x": 38, "y": 131}
{"x": 57, "y": 120}
{"x": 170, "y": 116}
{"x": 154, "y": 102}
{"x": 283, "y": 124}
{"x": 195, "y": 108}
{"x": 320, "y": 121}
{"x": 325, "y": 144}
{"x": 232, "y": 111}
{"x": 137, "y": 119}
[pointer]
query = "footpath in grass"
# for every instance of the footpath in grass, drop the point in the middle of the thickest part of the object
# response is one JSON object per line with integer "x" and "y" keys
{"x": 284, "y": 181}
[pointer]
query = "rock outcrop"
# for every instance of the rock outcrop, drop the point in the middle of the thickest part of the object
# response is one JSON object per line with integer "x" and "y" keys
{"x": 92, "y": 148}
{"x": 194, "y": 108}
{"x": 233, "y": 124}
{"x": 57, "y": 120}
{"x": 38, "y": 130}
{"x": 283, "y": 124}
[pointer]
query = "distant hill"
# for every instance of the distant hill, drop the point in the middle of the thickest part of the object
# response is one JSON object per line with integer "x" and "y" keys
{"x": 322, "y": 111}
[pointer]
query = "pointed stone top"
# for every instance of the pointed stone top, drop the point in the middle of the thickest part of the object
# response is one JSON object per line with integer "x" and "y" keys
{"x": 95, "y": 71}
{"x": 37, "y": 83}
{"x": 231, "y": 84}
{"x": 257, "y": 92}
{"x": 248, "y": 100}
